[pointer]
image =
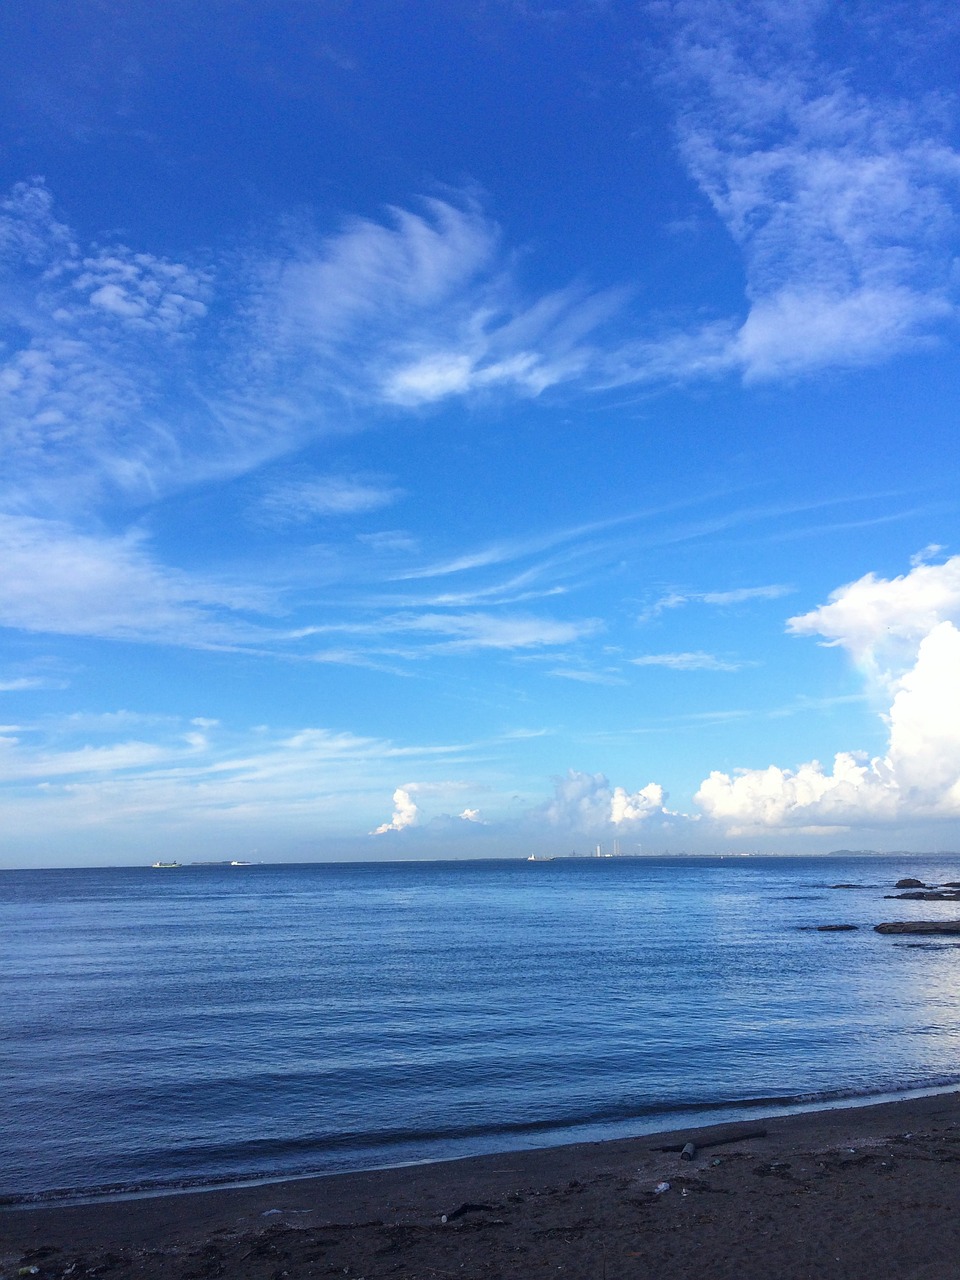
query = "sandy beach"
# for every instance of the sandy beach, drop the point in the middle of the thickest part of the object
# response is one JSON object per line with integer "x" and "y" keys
{"x": 865, "y": 1192}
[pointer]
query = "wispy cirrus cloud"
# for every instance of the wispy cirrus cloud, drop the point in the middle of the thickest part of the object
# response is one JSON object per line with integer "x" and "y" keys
{"x": 57, "y": 580}
{"x": 300, "y": 500}
{"x": 462, "y": 632}
{"x": 842, "y": 204}
{"x": 186, "y": 775}
{"x": 583, "y": 675}
{"x": 29, "y": 684}
{"x": 121, "y": 380}
{"x": 697, "y": 661}
{"x": 54, "y": 579}
{"x": 117, "y": 380}
{"x": 420, "y": 307}
{"x": 735, "y": 596}
{"x": 490, "y": 631}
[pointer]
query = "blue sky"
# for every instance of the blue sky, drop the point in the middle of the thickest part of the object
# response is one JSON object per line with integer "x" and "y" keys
{"x": 467, "y": 430}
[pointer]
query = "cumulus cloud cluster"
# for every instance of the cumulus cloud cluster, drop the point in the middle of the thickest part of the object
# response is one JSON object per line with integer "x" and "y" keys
{"x": 904, "y": 632}
{"x": 587, "y": 802}
{"x": 407, "y": 813}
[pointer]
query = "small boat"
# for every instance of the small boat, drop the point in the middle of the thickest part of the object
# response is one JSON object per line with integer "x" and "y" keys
{"x": 165, "y": 864}
{"x": 540, "y": 857}
{"x": 241, "y": 864}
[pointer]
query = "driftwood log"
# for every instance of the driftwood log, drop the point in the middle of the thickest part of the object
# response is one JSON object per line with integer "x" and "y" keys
{"x": 716, "y": 1137}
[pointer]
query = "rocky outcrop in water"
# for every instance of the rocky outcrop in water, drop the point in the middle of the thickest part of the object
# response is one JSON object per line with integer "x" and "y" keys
{"x": 908, "y": 882}
{"x": 927, "y": 895}
{"x": 919, "y": 926}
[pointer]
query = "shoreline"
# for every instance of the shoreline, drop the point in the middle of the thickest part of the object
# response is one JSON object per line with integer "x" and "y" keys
{"x": 749, "y": 1113}
{"x": 838, "y": 1191}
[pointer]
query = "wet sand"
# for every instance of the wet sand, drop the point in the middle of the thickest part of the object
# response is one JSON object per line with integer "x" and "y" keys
{"x": 863, "y": 1193}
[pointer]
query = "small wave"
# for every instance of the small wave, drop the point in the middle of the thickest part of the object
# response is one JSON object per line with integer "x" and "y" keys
{"x": 634, "y": 1121}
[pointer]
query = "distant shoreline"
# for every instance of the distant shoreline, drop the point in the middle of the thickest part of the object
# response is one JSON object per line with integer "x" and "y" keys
{"x": 904, "y": 855}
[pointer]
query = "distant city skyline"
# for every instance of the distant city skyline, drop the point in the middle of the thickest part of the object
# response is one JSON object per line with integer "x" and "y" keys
{"x": 445, "y": 430}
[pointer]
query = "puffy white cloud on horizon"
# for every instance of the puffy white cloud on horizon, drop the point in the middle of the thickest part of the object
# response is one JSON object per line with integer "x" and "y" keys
{"x": 903, "y": 632}
{"x": 405, "y": 813}
{"x": 586, "y": 802}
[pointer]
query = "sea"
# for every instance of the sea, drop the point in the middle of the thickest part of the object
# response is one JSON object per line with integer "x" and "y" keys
{"x": 212, "y": 1024}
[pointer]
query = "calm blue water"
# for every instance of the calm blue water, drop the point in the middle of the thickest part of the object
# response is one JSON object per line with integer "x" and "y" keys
{"x": 215, "y": 1023}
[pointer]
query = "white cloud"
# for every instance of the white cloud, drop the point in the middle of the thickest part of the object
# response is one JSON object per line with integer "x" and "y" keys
{"x": 881, "y": 621}
{"x": 491, "y": 631}
{"x": 99, "y": 344}
{"x": 420, "y": 307}
{"x": 389, "y": 540}
{"x": 55, "y": 580}
{"x": 142, "y": 290}
{"x": 736, "y": 595}
{"x": 177, "y": 777}
{"x": 405, "y": 813}
{"x": 902, "y": 631}
{"x": 23, "y": 684}
{"x": 929, "y": 552}
{"x": 739, "y": 595}
{"x": 586, "y": 802}
{"x": 300, "y": 501}
{"x": 843, "y": 206}
{"x": 627, "y": 808}
{"x": 582, "y": 676}
{"x": 471, "y": 815}
{"x": 119, "y": 383}
{"x": 697, "y": 661}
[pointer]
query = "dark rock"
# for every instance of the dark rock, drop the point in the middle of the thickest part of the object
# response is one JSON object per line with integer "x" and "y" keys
{"x": 835, "y": 928}
{"x": 846, "y": 886}
{"x": 951, "y": 884}
{"x": 919, "y": 926}
{"x": 465, "y": 1208}
{"x": 928, "y": 895}
{"x": 908, "y": 882}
